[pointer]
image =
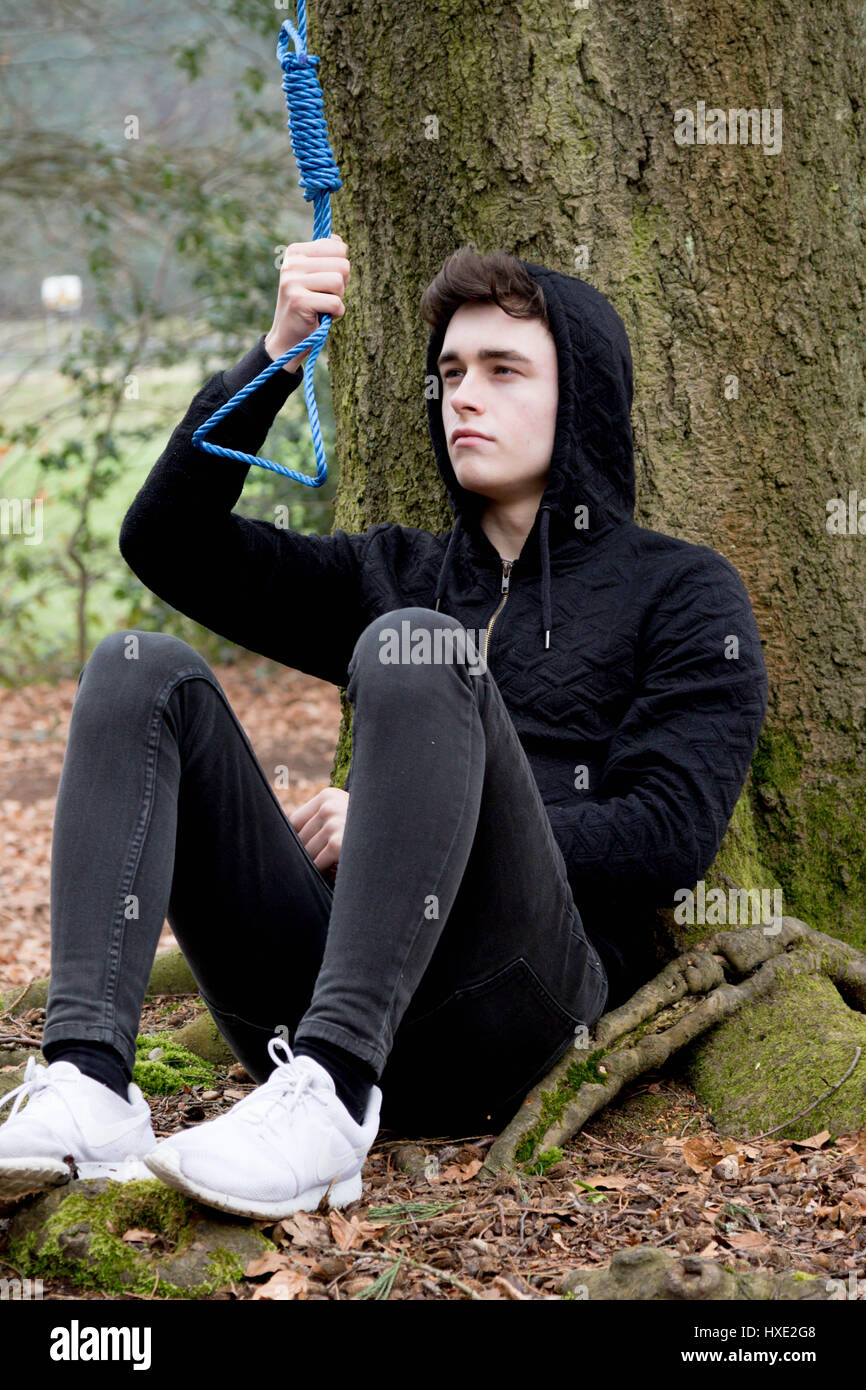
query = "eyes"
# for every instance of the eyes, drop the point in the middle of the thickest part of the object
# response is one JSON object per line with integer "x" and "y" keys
{"x": 451, "y": 370}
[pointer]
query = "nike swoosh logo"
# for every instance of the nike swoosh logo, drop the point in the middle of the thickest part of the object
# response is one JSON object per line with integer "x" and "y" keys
{"x": 330, "y": 1157}
{"x": 115, "y": 1132}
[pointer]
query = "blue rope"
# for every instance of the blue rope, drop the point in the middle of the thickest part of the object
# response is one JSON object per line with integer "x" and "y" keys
{"x": 320, "y": 177}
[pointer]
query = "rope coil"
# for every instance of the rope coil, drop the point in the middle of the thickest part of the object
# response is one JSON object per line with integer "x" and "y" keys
{"x": 319, "y": 178}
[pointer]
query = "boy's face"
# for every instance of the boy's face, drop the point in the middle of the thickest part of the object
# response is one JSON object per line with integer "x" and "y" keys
{"x": 512, "y": 400}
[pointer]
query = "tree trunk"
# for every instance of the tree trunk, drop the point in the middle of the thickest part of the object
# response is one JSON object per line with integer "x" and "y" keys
{"x": 739, "y": 271}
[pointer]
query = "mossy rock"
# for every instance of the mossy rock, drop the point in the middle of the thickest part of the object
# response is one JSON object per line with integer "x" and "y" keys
{"x": 76, "y": 1233}
{"x": 647, "y": 1273}
{"x": 773, "y": 1058}
{"x": 170, "y": 974}
{"x": 202, "y": 1037}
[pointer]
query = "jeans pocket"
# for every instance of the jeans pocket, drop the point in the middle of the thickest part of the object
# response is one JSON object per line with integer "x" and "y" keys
{"x": 454, "y": 1067}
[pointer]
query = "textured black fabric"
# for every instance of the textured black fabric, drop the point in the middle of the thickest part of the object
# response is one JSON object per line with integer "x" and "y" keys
{"x": 641, "y": 684}
{"x": 352, "y": 1076}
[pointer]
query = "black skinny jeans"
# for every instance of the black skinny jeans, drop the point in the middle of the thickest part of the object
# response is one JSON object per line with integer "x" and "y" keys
{"x": 450, "y": 953}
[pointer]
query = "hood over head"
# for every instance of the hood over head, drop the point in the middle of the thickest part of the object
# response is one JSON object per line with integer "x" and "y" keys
{"x": 592, "y": 463}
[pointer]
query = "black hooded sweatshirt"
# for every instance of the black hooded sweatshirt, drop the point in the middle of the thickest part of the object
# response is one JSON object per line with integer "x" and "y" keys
{"x": 629, "y": 660}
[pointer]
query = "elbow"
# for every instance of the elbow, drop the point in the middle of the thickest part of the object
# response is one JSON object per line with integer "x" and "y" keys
{"x": 127, "y": 541}
{"x": 134, "y": 544}
{"x": 687, "y": 860}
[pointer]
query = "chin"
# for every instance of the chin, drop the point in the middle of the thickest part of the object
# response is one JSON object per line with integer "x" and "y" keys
{"x": 473, "y": 479}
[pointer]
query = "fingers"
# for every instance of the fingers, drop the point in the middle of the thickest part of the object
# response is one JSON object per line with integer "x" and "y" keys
{"x": 322, "y": 814}
{"x": 299, "y": 817}
{"x": 323, "y": 841}
{"x": 324, "y": 280}
{"x": 332, "y": 245}
{"x": 305, "y": 302}
{"x": 327, "y": 254}
{"x": 323, "y": 850}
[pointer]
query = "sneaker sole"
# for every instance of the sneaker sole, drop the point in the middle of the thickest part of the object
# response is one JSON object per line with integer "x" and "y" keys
{"x": 167, "y": 1167}
{"x": 130, "y": 1170}
{"x": 19, "y": 1177}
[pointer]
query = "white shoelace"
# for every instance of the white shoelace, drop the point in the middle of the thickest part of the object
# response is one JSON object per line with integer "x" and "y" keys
{"x": 36, "y": 1078}
{"x": 289, "y": 1081}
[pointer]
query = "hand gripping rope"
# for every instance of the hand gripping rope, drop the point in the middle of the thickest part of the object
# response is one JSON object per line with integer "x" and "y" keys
{"x": 320, "y": 177}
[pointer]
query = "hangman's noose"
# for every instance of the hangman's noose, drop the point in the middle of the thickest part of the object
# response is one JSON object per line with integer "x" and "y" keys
{"x": 320, "y": 177}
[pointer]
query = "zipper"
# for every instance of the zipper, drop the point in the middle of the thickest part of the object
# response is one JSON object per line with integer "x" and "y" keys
{"x": 506, "y": 573}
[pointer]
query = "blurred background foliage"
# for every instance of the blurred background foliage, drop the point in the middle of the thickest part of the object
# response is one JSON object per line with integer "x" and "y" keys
{"x": 145, "y": 150}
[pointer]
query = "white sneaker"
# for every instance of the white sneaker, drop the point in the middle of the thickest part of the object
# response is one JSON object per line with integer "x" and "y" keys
{"x": 279, "y": 1150}
{"x": 69, "y": 1118}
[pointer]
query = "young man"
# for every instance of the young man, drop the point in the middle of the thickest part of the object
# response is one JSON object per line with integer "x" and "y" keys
{"x": 512, "y": 822}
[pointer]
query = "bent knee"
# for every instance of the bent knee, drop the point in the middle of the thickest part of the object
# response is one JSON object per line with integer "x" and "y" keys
{"x": 398, "y": 630}
{"x": 420, "y": 644}
{"x": 131, "y": 652}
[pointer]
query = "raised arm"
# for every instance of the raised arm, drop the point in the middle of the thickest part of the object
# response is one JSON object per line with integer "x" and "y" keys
{"x": 295, "y": 598}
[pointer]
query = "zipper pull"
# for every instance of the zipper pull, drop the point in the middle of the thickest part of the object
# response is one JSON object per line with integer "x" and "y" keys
{"x": 506, "y": 571}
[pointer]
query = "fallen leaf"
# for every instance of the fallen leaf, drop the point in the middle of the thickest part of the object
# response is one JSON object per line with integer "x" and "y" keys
{"x": 815, "y": 1141}
{"x": 728, "y": 1168}
{"x": 305, "y": 1229}
{"x": 346, "y": 1234}
{"x": 616, "y": 1181}
{"x": 731, "y": 1146}
{"x": 136, "y": 1235}
{"x": 460, "y": 1172}
{"x": 285, "y": 1285}
{"x": 268, "y": 1263}
{"x": 746, "y": 1240}
{"x": 701, "y": 1153}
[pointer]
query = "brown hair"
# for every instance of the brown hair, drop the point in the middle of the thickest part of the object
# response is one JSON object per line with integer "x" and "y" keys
{"x": 491, "y": 277}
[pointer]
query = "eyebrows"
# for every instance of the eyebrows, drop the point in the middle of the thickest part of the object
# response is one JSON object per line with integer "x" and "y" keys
{"x": 484, "y": 355}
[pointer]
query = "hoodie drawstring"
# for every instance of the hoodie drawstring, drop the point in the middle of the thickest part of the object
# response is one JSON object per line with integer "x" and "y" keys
{"x": 440, "y": 582}
{"x": 543, "y": 530}
{"x": 545, "y": 572}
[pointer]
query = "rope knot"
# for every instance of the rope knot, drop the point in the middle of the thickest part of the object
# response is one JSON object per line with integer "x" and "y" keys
{"x": 320, "y": 177}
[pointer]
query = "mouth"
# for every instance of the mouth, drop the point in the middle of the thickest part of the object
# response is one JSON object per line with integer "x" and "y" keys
{"x": 471, "y": 439}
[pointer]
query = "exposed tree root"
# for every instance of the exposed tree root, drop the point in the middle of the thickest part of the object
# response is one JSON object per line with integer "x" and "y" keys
{"x": 689, "y": 996}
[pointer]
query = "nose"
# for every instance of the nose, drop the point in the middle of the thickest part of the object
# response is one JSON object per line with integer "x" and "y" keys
{"x": 464, "y": 395}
